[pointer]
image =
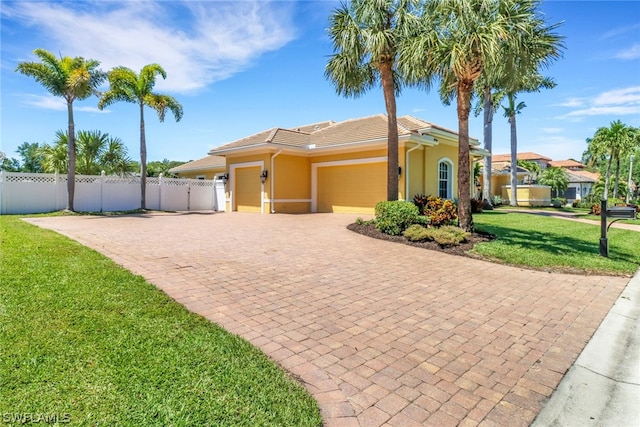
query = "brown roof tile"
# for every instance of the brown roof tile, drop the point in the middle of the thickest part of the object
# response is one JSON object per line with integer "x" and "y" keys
{"x": 520, "y": 156}
{"x": 566, "y": 164}
{"x": 207, "y": 162}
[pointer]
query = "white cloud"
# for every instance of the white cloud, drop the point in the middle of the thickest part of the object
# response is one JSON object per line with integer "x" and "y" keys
{"x": 50, "y": 102}
{"x": 221, "y": 38}
{"x": 572, "y": 102}
{"x": 552, "y": 130}
{"x": 618, "y": 102}
{"x": 631, "y": 53}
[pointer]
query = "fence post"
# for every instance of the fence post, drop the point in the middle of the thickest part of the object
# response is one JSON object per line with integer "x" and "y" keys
{"x": 102, "y": 174}
{"x": 2, "y": 178}
{"x": 160, "y": 176}
{"x": 188, "y": 194}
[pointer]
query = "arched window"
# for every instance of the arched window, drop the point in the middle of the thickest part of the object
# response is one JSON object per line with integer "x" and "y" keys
{"x": 445, "y": 179}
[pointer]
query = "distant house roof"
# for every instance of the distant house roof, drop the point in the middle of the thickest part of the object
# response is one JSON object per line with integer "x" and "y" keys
{"x": 205, "y": 163}
{"x": 520, "y": 156}
{"x": 336, "y": 134}
{"x": 504, "y": 168}
{"x": 568, "y": 164}
{"x": 583, "y": 176}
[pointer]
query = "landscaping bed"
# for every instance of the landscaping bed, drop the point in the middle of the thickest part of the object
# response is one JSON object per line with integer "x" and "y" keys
{"x": 462, "y": 249}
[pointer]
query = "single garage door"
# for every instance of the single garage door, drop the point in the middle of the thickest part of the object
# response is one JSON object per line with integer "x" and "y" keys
{"x": 248, "y": 197}
{"x": 351, "y": 188}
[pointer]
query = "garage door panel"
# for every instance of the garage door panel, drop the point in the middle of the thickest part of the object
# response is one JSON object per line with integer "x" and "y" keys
{"x": 351, "y": 188}
{"x": 248, "y": 189}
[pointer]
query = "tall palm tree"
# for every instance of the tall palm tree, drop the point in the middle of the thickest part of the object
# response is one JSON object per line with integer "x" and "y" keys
{"x": 457, "y": 40}
{"x": 125, "y": 85}
{"x": 71, "y": 79}
{"x": 365, "y": 38}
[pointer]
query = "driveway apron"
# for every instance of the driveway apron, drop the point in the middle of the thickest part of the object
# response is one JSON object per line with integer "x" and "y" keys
{"x": 380, "y": 333}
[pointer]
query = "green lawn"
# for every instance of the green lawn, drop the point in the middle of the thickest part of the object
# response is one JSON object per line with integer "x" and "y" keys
{"x": 552, "y": 243}
{"x": 81, "y": 336}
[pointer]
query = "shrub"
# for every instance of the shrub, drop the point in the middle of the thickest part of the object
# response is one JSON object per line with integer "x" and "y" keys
{"x": 440, "y": 211}
{"x": 496, "y": 200}
{"x": 361, "y": 221}
{"x": 394, "y": 217}
{"x": 447, "y": 235}
{"x": 417, "y": 233}
{"x": 420, "y": 200}
{"x": 477, "y": 205}
{"x": 558, "y": 202}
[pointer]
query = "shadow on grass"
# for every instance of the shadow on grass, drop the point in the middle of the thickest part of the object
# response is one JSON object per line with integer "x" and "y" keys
{"x": 584, "y": 246}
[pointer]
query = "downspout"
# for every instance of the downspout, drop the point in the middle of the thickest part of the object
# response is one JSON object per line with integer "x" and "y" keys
{"x": 272, "y": 183}
{"x": 406, "y": 168}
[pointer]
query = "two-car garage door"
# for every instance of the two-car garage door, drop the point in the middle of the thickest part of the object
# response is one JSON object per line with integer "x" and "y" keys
{"x": 351, "y": 187}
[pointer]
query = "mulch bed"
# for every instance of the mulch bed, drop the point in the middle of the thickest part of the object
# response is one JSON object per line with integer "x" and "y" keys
{"x": 461, "y": 249}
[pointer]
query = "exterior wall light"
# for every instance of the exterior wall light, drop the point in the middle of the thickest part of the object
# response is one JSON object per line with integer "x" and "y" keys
{"x": 224, "y": 177}
{"x": 263, "y": 176}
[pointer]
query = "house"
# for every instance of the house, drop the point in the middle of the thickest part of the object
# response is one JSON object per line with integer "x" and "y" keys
{"x": 580, "y": 181}
{"x": 338, "y": 166}
{"x": 204, "y": 168}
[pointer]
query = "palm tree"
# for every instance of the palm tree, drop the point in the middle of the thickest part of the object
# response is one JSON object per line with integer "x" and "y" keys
{"x": 456, "y": 41}
{"x": 55, "y": 157}
{"x": 533, "y": 167}
{"x": 365, "y": 38}
{"x": 125, "y": 85}
{"x": 613, "y": 142}
{"x": 115, "y": 159}
{"x": 90, "y": 145}
{"x": 556, "y": 178}
{"x": 71, "y": 79}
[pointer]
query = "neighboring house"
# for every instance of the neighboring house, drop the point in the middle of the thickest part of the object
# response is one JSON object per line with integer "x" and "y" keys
{"x": 205, "y": 168}
{"x": 338, "y": 167}
{"x": 580, "y": 181}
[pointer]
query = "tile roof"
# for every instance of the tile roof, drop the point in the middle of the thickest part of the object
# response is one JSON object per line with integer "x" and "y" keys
{"x": 207, "y": 162}
{"x": 329, "y": 134}
{"x": 566, "y": 164}
{"x": 520, "y": 156}
{"x": 584, "y": 176}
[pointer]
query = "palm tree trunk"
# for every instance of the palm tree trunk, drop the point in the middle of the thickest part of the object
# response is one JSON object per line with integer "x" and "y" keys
{"x": 617, "y": 180}
{"x": 388, "y": 89}
{"x": 71, "y": 158}
{"x": 465, "y": 219}
{"x": 514, "y": 160}
{"x": 143, "y": 161}
{"x": 488, "y": 141}
{"x": 605, "y": 195}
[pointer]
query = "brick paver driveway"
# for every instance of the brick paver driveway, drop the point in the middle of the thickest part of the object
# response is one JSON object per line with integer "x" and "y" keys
{"x": 380, "y": 333}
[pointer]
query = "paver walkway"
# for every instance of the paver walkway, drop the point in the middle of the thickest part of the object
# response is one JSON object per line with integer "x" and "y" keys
{"x": 380, "y": 333}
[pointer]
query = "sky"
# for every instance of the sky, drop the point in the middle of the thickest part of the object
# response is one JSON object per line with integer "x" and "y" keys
{"x": 240, "y": 67}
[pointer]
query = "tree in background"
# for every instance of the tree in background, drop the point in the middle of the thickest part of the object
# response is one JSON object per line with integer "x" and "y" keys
{"x": 556, "y": 178}
{"x": 532, "y": 167}
{"x": 156, "y": 168}
{"x": 365, "y": 37}
{"x": 613, "y": 143}
{"x": 71, "y": 79}
{"x": 125, "y": 85}
{"x": 96, "y": 152}
{"x": 31, "y": 157}
{"x": 9, "y": 164}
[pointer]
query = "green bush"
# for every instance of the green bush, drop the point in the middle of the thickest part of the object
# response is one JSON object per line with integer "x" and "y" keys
{"x": 496, "y": 200}
{"x": 394, "y": 217}
{"x": 417, "y": 233}
{"x": 440, "y": 211}
{"x": 447, "y": 235}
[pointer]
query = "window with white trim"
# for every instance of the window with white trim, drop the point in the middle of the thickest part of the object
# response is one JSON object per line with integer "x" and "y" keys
{"x": 445, "y": 175}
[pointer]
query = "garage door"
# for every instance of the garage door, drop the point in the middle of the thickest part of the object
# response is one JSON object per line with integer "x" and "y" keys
{"x": 351, "y": 188}
{"x": 248, "y": 197}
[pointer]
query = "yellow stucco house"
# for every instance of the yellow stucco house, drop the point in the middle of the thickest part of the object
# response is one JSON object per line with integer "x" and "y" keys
{"x": 337, "y": 166}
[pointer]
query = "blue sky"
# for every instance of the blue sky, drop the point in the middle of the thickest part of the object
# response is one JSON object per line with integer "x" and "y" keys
{"x": 245, "y": 66}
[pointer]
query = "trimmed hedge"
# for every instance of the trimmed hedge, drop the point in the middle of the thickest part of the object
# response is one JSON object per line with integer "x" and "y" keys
{"x": 395, "y": 216}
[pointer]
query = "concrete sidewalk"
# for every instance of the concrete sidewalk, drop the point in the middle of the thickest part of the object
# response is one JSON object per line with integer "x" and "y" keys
{"x": 603, "y": 387}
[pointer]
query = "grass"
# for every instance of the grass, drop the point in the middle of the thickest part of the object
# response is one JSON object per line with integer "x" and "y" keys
{"x": 83, "y": 338}
{"x": 556, "y": 244}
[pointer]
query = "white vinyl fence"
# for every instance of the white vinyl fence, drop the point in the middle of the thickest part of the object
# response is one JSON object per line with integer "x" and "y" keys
{"x": 22, "y": 193}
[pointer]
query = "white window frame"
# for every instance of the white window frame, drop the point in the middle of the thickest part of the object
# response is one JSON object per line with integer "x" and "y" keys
{"x": 449, "y": 163}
